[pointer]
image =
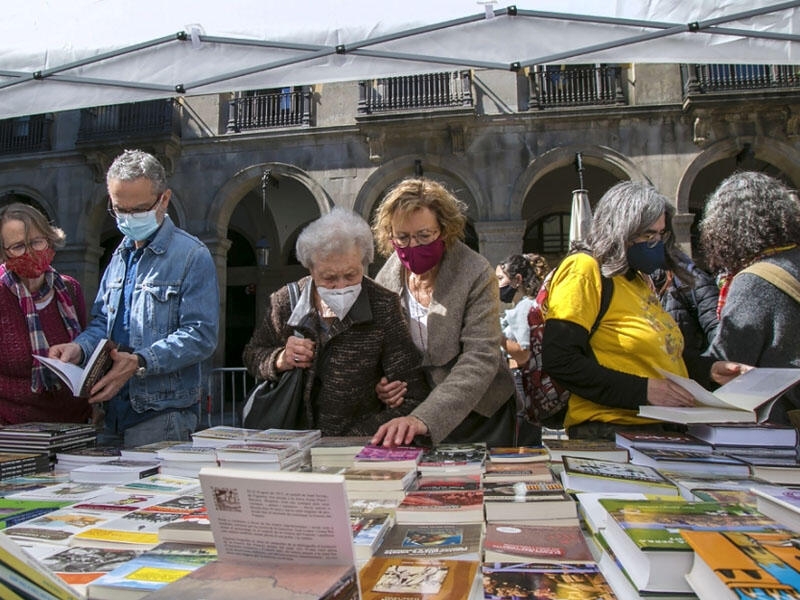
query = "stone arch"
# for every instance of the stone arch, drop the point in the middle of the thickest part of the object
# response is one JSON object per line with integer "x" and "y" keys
{"x": 398, "y": 168}
{"x": 42, "y": 202}
{"x": 598, "y": 156}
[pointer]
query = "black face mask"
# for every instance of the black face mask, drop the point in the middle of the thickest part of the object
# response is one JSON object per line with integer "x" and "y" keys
{"x": 507, "y": 293}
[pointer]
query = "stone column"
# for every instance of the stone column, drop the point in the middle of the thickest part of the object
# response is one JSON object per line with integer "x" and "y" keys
{"x": 219, "y": 253}
{"x": 682, "y": 226}
{"x": 498, "y": 239}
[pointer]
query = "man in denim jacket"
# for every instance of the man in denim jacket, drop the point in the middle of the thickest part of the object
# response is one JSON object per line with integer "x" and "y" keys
{"x": 159, "y": 301}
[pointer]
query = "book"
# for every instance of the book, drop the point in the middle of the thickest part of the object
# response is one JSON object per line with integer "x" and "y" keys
{"x": 390, "y": 578}
{"x": 15, "y": 511}
{"x": 337, "y": 450}
{"x": 593, "y": 475}
{"x": 192, "y": 528}
{"x": 533, "y": 500}
{"x": 57, "y": 527}
{"x": 147, "y": 452}
{"x": 278, "y": 516}
{"x": 782, "y": 470}
{"x": 745, "y": 434}
{"x": 401, "y": 458}
{"x": 516, "y": 454}
{"x": 667, "y": 440}
{"x": 748, "y": 398}
{"x": 117, "y": 471}
{"x": 730, "y": 566}
{"x": 441, "y": 507}
{"x": 150, "y": 571}
{"x": 599, "y": 449}
{"x": 81, "y": 380}
{"x": 513, "y": 472}
{"x": 133, "y": 530}
{"x": 519, "y": 542}
{"x": 119, "y": 502}
{"x": 456, "y": 459}
{"x": 688, "y": 461}
{"x": 646, "y": 536}
{"x": 223, "y": 580}
{"x": 256, "y": 452}
{"x": 299, "y": 438}
{"x": 359, "y": 479}
{"x": 161, "y": 484}
{"x": 463, "y": 541}
{"x": 13, "y": 557}
{"x": 781, "y": 504}
{"x": 369, "y": 531}
{"x": 67, "y": 491}
{"x": 14, "y": 464}
{"x": 78, "y": 567}
{"x": 576, "y": 581}
{"x": 220, "y": 436}
{"x": 448, "y": 483}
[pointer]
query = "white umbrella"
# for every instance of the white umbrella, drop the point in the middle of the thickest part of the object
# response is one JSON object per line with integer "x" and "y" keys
{"x": 581, "y": 219}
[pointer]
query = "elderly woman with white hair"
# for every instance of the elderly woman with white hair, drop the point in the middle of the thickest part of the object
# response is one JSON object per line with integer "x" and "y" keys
{"x": 353, "y": 332}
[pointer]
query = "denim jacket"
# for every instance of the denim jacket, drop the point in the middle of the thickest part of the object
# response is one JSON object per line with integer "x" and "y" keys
{"x": 174, "y": 317}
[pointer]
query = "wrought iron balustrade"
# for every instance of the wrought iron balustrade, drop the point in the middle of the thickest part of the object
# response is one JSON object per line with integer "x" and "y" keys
{"x": 25, "y": 134}
{"x": 412, "y": 92}
{"x": 273, "y": 109}
{"x": 137, "y": 119}
{"x": 723, "y": 77}
{"x": 573, "y": 85}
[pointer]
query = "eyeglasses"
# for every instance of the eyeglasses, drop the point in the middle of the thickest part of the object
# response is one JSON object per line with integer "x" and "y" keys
{"x": 423, "y": 238}
{"x": 652, "y": 238}
{"x": 117, "y": 212}
{"x": 37, "y": 244}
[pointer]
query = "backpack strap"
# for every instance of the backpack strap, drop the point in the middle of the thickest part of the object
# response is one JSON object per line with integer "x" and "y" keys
{"x": 777, "y": 276}
{"x": 294, "y": 297}
{"x": 606, "y": 292}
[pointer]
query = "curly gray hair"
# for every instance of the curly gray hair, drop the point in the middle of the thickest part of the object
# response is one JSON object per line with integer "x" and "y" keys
{"x": 624, "y": 213}
{"x": 338, "y": 231}
{"x": 136, "y": 164}
{"x": 747, "y": 214}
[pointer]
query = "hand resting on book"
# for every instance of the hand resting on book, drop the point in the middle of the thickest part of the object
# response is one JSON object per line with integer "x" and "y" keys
{"x": 663, "y": 392}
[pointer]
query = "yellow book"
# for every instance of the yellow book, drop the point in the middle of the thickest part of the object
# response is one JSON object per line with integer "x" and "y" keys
{"x": 17, "y": 560}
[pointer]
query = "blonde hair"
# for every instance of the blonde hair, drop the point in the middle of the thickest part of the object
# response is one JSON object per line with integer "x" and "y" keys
{"x": 411, "y": 195}
{"x": 31, "y": 217}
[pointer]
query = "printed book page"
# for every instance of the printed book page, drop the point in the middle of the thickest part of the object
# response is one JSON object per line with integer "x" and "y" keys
{"x": 80, "y": 380}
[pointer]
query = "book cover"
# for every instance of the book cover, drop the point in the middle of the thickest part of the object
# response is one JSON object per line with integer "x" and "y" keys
{"x": 782, "y": 470}
{"x": 192, "y": 528}
{"x": 15, "y": 559}
{"x": 745, "y": 434}
{"x": 441, "y": 507}
{"x": 119, "y": 502}
{"x": 57, "y": 527}
{"x": 117, "y": 471}
{"x": 781, "y": 504}
{"x": 369, "y": 531}
{"x": 579, "y": 581}
{"x": 223, "y": 580}
{"x": 81, "y": 380}
{"x": 461, "y": 541}
{"x": 299, "y": 438}
{"x": 256, "y": 452}
{"x": 688, "y": 461}
{"x": 78, "y": 567}
{"x": 670, "y": 440}
{"x": 599, "y": 449}
{"x": 499, "y": 454}
{"x": 137, "y": 529}
{"x": 15, "y": 511}
{"x": 517, "y": 542}
{"x": 147, "y": 452}
{"x": 515, "y": 471}
{"x": 453, "y": 458}
{"x": 278, "y": 516}
{"x": 593, "y": 475}
{"x": 392, "y": 578}
{"x": 535, "y": 500}
{"x": 67, "y": 492}
{"x": 398, "y": 457}
{"x": 359, "y": 478}
{"x": 222, "y": 435}
{"x": 748, "y": 398}
{"x": 162, "y": 484}
{"x": 448, "y": 483}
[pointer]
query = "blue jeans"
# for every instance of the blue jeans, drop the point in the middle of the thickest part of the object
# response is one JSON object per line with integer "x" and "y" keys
{"x": 173, "y": 425}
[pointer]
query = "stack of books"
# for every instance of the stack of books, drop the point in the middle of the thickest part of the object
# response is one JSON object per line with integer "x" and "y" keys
{"x": 259, "y": 456}
{"x": 529, "y": 501}
{"x": 513, "y": 542}
{"x": 441, "y": 507}
{"x": 453, "y": 459}
{"x": 378, "y": 484}
{"x": 116, "y": 471}
{"x": 455, "y": 541}
{"x": 594, "y": 475}
{"x": 16, "y": 464}
{"x": 67, "y": 460}
{"x": 369, "y": 530}
{"x": 46, "y": 438}
{"x": 336, "y": 451}
{"x": 186, "y": 460}
{"x": 399, "y": 458}
{"x": 222, "y": 435}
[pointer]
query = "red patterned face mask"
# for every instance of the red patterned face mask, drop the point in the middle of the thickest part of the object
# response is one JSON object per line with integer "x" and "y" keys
{"x": 31, "y": 264}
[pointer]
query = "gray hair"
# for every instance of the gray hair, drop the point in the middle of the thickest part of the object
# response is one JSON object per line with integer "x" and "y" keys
{"x": 136, "y": 164}
{"x": 624, "y": 213}
{"x": 338, "y": 231}
{"x": 747, "y": 214}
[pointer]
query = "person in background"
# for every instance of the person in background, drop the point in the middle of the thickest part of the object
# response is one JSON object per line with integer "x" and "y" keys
{"x": 159, "y": 300}
{"x": 693, "y": 304}
{"x": 39, "y": 307}
{"x": 750, "y": 220}
{"x": 353, "y": 332}
{"x": 450, "y": 298}
{"x": 617, "y": 370}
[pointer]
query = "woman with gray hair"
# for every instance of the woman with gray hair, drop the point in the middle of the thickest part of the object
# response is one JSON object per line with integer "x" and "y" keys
{"x": 353, "y": 332}
{"x": 615, "y": 369}
{"x": 752, "y": 225}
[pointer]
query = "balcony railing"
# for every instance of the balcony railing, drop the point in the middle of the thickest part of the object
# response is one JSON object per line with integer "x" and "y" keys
{"x": 412, "y": 92}
{"x": 273, "y": 109}
{"x": 25, "y": 134}
{"x": 553, "y": 86}
{"x": 154, "y": 118}
{"x": 719, "y": 78}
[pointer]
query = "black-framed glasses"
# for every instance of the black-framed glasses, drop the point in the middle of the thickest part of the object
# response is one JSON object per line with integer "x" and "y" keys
{"x": 652, "y": 238}
{"x": 118, "y": 212}
{"x": 37, "y": 244}
{"x": 423, "y": 238}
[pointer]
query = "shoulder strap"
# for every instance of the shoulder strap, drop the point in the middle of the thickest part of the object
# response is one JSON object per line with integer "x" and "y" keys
{"x": 606, "y": 292}
{"x": 777, "y": 276}
{"x": 294, "y": 294}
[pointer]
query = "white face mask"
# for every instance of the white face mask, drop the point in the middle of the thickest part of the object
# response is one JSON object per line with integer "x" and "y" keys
{"x": 340, "y": 300}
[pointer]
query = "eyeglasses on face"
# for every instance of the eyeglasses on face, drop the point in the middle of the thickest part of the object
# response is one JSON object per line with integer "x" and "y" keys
{"x": 117, "y": 212}
{"x": 37, "y": 244}
{"x": 423, "y": 238}
{"x": 652, "y": 238}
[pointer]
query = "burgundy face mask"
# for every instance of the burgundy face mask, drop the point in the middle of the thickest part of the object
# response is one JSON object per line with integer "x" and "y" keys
{"x": 31, "y": 264}
{"x": 421, "y": 259}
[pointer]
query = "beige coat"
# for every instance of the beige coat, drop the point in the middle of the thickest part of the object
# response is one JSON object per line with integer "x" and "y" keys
{"x": 463, "y": 361}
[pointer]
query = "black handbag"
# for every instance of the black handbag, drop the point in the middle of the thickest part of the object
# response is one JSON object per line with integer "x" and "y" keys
{"x": 278, "y": 405}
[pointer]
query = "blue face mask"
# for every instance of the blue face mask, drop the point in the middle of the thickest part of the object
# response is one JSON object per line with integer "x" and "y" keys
{"x": 643, "y": 258}
{"x": 138, "y": 226}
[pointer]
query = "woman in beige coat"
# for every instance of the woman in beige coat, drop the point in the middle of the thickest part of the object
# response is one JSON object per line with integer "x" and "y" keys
{"x": 450, "y": 298}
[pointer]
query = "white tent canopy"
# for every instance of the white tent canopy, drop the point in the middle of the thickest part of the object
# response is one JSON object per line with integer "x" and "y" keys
{"x": 59, "y": 55}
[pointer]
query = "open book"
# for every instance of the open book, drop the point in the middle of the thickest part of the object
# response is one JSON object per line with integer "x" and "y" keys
{"x": 747, "y": 398}
{"x": 81, "y": 380}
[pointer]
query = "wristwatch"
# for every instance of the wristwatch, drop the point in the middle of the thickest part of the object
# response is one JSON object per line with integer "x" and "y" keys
{"x": 142, "y": 370}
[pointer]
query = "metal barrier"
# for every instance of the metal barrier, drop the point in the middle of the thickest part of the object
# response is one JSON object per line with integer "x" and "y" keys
{"x": 228, "y": 389}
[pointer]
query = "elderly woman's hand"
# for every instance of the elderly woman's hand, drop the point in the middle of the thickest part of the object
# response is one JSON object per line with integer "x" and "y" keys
{"x": 299, "y": 352}
{"x": 663, "y": 392}
{"x": 400, "y": 431}
{"x": 391, "y": 393}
